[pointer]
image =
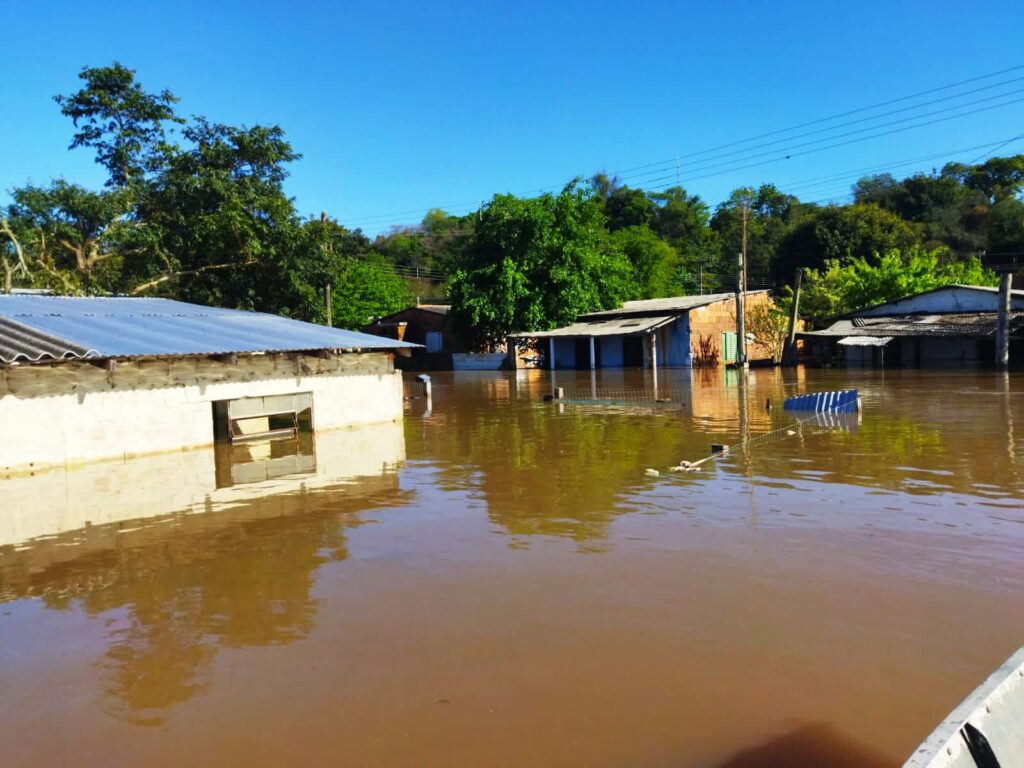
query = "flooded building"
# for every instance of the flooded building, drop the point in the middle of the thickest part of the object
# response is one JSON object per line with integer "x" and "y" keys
{"x": 428, "y": 325}
{"x": 652, "y": 333}
{"x": 952, "y": 325}
{"x": 83, "y": 379}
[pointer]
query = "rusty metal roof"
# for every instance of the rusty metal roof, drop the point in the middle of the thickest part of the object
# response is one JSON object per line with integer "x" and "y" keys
{"x": 34, "y": 328}
{"x": 671, "y": 304}
{"x": 976, "y": 324}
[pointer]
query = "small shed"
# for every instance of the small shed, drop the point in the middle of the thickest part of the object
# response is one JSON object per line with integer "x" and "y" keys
{"x": 428, "y": 325}
{"x": 949, "y": 326}
{"x": 84, "y": 379}
{"x": 650, "y": 333}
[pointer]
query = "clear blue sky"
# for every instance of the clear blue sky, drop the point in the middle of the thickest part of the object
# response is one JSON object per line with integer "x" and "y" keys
{"x": 401, "y": 106}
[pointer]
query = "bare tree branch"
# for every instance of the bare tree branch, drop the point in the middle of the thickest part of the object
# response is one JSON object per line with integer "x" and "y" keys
{"x": 20, "y": 266}
{"x": 143, "y": 287}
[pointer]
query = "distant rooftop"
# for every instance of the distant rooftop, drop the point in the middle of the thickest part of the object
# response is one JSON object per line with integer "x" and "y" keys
{"x": 440, "y": 309}
{"x": 35, "y": 328}
{"x": 671, "y": 304}
{"x": 969, "y": 324}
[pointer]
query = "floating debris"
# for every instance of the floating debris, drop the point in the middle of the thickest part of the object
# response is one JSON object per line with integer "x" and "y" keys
{"x": 652, "y": 472}
{"x": 844, "y": 401}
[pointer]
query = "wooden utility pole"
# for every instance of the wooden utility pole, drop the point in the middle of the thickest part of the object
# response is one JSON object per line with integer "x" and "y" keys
{"x": 327, "y": 288}
{"x": 741, "y": 298}
{"x": 1003, "y": 321}
{"x": 789, "y": 353}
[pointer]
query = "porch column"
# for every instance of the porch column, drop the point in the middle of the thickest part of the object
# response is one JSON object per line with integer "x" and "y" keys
{"x": 593, "y": 360}
{"x": 654, "y": 352}
{"x": 551, "y": 352}
{"x": 1003, "y": 324}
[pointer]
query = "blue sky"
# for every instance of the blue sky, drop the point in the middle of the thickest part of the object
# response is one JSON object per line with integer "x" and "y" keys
{"x": 399, "y": 106}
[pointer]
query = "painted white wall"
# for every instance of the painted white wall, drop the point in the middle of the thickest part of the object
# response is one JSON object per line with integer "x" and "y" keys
{"x": 945, "y": 300}
{"x": 72, "y": 413}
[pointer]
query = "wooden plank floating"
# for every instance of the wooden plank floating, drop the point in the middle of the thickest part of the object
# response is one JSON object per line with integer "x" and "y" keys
{"x": 843, "y": 401}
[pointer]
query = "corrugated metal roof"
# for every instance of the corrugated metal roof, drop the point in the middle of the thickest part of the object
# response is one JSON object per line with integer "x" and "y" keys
{"x": 947, "y": 324}
{"x": 619, "y": 326}
{"x": 666, "y": 305}
{"x": 24, "y": 343}
{"x": 63, "y": 327}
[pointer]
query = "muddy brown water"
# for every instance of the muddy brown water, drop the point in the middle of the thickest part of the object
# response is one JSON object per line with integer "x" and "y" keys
{"x": 498, "y": 582}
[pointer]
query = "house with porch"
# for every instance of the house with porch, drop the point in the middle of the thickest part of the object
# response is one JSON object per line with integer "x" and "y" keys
{"x": 951, "y": 326}
{"x": 651, "y": 333}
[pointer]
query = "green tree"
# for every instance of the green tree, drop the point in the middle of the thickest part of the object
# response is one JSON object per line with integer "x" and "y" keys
{"x": 535, "y": 264}
{"x": 842, "y": 233}
{"x": 120, "y": 121}
{"x": 364, "y": 291}
{"x": 78, "y": 239}
{"x": 654, "y": 262}
{"x": 839, "y": 287}
{"x": 222, "y": 223}
{"x": 770, "y": 215}
{"x": 768, "y": 324}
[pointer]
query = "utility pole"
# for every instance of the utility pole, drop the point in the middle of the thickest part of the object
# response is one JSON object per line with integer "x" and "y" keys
{"x": 741, "y": 298}
{"x": 789, "y": 351}
{"x": 1003, "y": 319}
{"x": 327, "y": 304}
{"x": 677, "y": 170}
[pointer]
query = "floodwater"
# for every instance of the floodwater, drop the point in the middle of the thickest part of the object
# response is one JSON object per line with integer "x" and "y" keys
{"x": 498, "y": 582}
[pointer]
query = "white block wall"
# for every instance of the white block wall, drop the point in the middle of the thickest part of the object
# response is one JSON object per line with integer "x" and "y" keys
{"x": 72, "y": 413}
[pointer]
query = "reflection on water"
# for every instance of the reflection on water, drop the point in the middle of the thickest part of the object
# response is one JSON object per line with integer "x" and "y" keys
{"x": 258, "y": 460}
{"x": 499, "y": 582}
{"x": 228, "y": 570}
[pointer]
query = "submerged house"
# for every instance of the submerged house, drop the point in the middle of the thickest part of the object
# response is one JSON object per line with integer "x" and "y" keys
{"x": 428, "y": 325}
{"x": 952, "y": 325}
{"x": 83, "y": 379}
{"x": 651, "y": 333}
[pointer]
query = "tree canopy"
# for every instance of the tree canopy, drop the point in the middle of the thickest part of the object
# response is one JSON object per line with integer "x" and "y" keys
{"x": 196, "y": 209}
{"x": 535, "y": 264}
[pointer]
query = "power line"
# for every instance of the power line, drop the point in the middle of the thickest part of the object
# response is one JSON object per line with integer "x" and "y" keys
{"x": 1018, "y": 137}
{"x": 458, "y": 206}
{"x": 830, "y": 129}
{"x": 838, "y": 115}
{"x": 860, "y": 173}
{"x": 791, "y": 155}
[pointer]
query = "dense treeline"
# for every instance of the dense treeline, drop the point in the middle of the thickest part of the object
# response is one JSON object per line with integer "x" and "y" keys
{"x": 196, "y": 210}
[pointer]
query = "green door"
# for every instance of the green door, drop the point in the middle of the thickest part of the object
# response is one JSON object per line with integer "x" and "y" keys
{"x": 728, "y": 346}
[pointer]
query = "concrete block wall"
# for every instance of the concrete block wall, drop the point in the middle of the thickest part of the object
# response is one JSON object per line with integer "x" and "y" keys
{"x": 71, "y": 413}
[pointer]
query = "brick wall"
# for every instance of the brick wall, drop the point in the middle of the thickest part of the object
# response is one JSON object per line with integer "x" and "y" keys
{"x": 715, "y": 319}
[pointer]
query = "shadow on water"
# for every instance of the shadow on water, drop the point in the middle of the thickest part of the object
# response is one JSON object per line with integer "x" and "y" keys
{"x": 816, "y": 745}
